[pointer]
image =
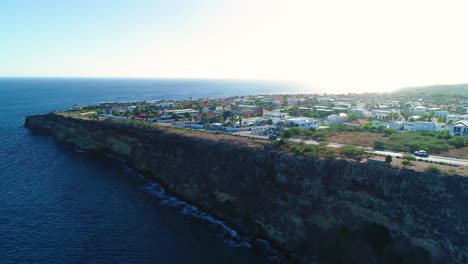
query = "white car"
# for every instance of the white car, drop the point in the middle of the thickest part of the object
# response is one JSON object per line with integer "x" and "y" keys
{"x": 421, "y": 153}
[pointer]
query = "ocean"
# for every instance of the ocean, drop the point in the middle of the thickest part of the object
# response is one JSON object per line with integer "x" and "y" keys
{"x": 61, "y": 205}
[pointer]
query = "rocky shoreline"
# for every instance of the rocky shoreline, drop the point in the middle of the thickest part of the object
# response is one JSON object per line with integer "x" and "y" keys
{"x": 333, "y": 211}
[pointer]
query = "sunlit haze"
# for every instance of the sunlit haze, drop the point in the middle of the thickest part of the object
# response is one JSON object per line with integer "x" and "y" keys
{"x": 334, "y": 46}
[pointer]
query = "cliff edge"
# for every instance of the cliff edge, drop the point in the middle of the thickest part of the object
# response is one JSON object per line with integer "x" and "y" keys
{"x": 333, "y": 211}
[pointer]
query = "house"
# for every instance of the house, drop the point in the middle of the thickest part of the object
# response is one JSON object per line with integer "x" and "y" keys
{"x": 218, "y": 110}
{"x": 247, "y": 110}
{"x": 178, "y": 112}
{"x": 337, "y": 119}
{"x": 243, "y": 101}
{"x": 322, "y": 100}
{"x": 459, "y": 128}
{"x": 357, "y": 122}
{"x": 263, "y": 130}
{"x": 359, "y": 111}
{"x": 456, "y": 117}
{"x": 419, "y": 110}
{"x": 164, "y": 105}
{"x": 118, "y": 109}
{"x": 276, "y": 115}
{"x": 441, "y": 113}
{"x": 302, "y": 122}
{"x": 380, "y": 114}
{"x": 423, "y": 126}
{"x": 396, "y": 125}
{"x": 151, "y": 102}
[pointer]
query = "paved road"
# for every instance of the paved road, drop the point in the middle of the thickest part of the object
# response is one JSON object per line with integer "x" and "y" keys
{"x": 453, "y": 161}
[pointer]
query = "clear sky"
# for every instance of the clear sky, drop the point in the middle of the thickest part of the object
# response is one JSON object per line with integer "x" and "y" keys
{"x": 358, "y": 45}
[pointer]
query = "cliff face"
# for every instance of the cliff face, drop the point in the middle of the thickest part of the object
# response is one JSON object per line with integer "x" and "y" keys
{"x": 334, "y": 209}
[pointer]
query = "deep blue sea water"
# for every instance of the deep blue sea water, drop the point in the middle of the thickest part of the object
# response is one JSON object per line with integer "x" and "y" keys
{"x": 60, "y": 205}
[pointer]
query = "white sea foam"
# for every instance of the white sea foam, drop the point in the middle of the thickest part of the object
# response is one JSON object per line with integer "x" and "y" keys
{"x": 232, "y": 238}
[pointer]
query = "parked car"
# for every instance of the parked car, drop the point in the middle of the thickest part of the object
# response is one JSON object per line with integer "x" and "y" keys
{"x": 272, "y": 137}
{"x": 421, "y": 153}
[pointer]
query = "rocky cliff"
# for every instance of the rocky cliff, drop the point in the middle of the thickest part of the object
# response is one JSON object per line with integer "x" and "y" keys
{"x": 333, "y": 211}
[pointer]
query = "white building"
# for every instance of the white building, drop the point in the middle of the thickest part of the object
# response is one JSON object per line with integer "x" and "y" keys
{"x": 456, "y": 117}
{"x": 359, "y": 111}
{"x": 380, "y": 114}
{"x": 396, "y": 125}
{"x": 459, "y": 128}
{"x": 337, "y": 119}
{"x": 243, "y": 101}
{"x": 219, "y": 110}
{"x": 276, "y": 115}
{"x": 441, "y": 113}
{"x": 178, "y": 112}
{"x": 419, "y": 110}
{"x": 302, "y": 122}
{"x": 422, "y": 126}
{"x": 263, "y": 130}
{"x": 166, "y": 104}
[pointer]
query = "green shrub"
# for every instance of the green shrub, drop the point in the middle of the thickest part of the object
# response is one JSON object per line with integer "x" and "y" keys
{"x": 408, "y": 157}
{"x": 389, "y": 131}
{"x": 329, "y": 153}
{"x": 379, "y": 144}
{"x": 412, "y": 141}
{"x": 352, "y": 152}
{"x": 406, "y": 162}
{"x": 297, "y": 150}
{"x": 292, "y": 132}
{"x": 458, "y": 142}
{"x": 433, "y": 168}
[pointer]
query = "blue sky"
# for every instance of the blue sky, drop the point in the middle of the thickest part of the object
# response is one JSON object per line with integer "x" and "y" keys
{"x": 48, "y": 30}
{"x": 334, "y": 45}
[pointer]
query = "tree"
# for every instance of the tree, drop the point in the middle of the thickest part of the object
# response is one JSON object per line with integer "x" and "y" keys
{"x": 188, "y": 116}
{"x": 388, "y": 131}
{"x": 353, "y": 116}
{"x": 388, "y": 160}
{"x": 269, "y": 122}
{"x": 227, "y": 114}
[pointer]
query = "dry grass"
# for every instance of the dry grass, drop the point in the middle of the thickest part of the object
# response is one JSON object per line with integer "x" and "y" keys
{"x": 422, "y": 166}
{"x": 460, "y": 153}
{"x": 196, "y": 134}
{"x": 365, "y": 139}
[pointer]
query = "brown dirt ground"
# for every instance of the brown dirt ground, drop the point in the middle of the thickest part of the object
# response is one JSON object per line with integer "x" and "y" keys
{"x": 461, "y": 153}
{"x": 422, "y": 166}
{"x": 365, "y": 139}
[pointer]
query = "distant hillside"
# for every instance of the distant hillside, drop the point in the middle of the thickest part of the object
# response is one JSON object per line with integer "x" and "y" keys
{"x": 435, "y": 91}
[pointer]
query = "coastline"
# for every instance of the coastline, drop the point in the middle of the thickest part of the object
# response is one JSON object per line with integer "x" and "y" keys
{"x": 286, "y": 176}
